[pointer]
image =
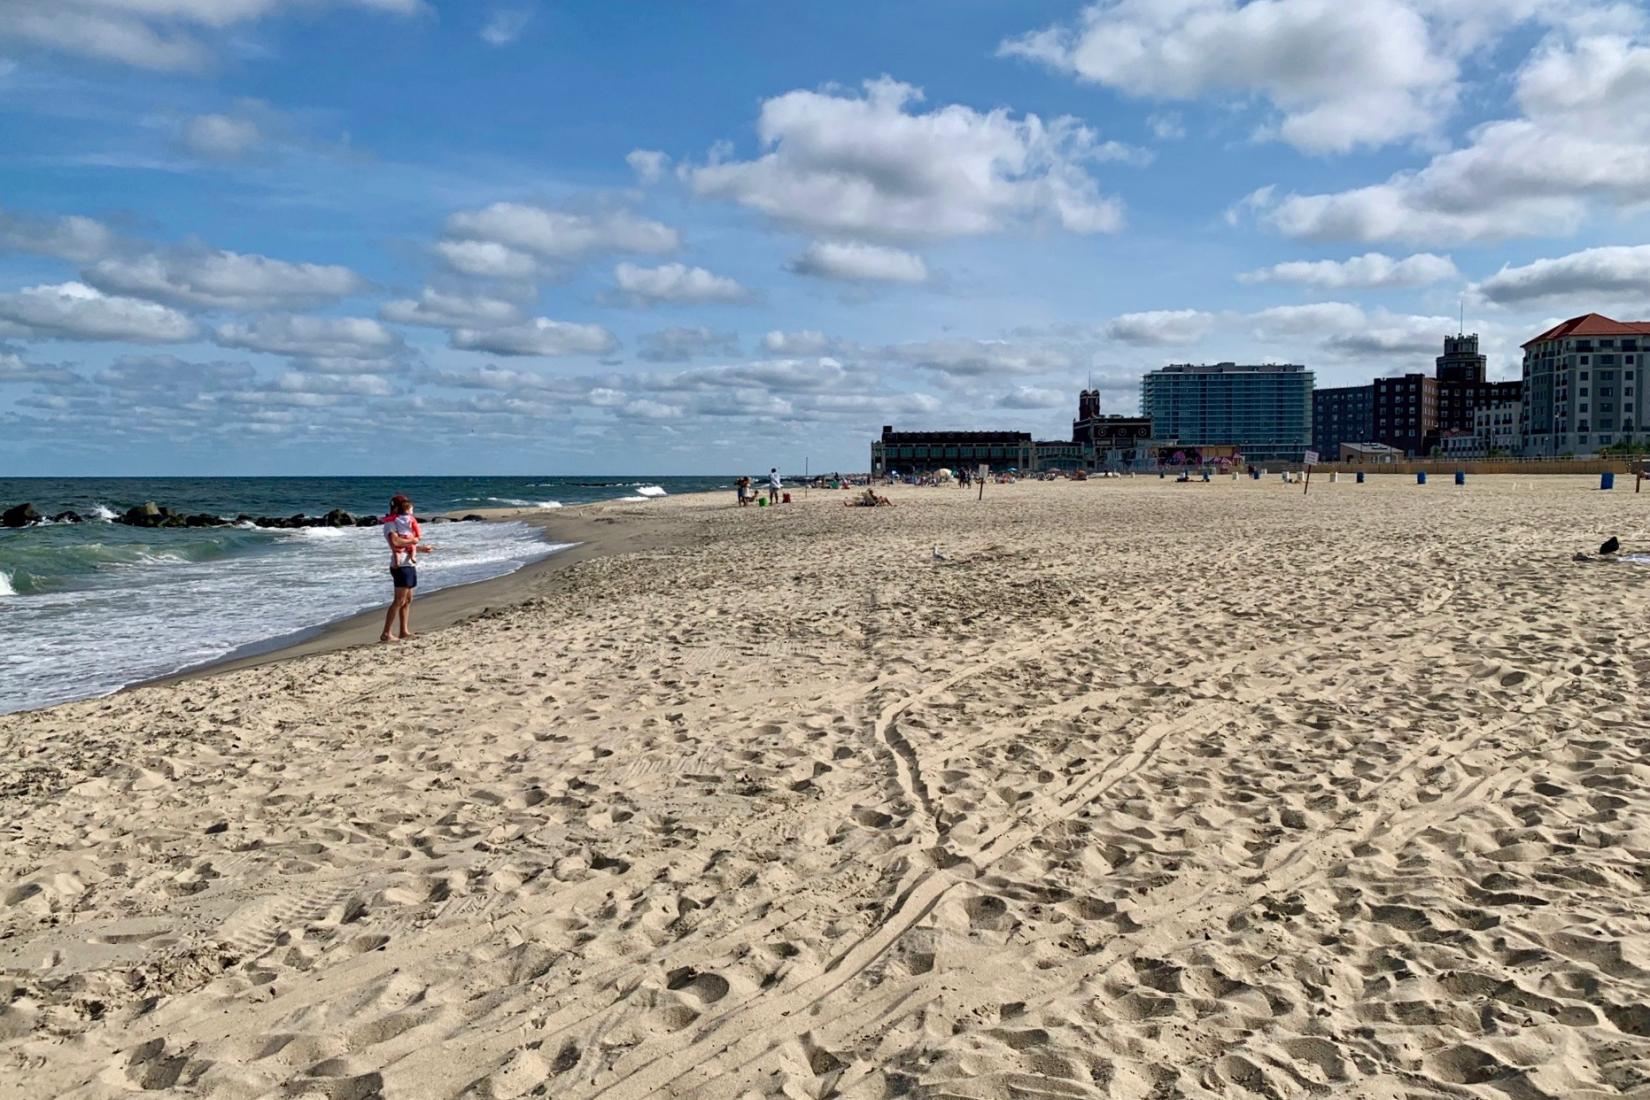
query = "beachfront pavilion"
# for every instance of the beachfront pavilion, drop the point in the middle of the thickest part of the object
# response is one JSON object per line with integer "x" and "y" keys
{"x": 922, "y": 452}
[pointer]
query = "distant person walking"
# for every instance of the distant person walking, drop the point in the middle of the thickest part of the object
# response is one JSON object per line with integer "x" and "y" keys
{"x": 773, "y": 485}
{"x": 402, "y": 532}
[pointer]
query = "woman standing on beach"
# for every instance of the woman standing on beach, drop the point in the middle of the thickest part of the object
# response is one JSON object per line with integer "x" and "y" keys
{"x": 401, "y": 532}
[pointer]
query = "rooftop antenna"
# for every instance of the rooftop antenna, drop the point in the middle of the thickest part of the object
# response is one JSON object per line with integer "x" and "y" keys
{"x": 1461, "y": 324}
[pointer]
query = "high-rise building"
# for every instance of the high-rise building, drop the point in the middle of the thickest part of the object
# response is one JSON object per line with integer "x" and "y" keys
{"x": 1265, "y": 411}
{"x": 1341, "y": 414}
{"x": 1463, "y": 388}
{"x": 1406, "y": 412}
{"x": 1461, "y": 361}
{"x": 1583, "y": 386}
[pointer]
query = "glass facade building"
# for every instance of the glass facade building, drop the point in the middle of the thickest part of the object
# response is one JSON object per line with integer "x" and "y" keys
{"x": 1266, "y": 411}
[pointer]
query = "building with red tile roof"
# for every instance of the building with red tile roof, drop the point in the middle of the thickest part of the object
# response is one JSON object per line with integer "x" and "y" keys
{"x": 1584, "y": 386}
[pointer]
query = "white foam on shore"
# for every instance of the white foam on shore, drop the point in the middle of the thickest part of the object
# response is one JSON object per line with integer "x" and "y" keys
{"x": 100, "y": 512}
{"x": 5, "y": 584}
{"x": 513, "y": 502}
{"x": 157, "y": 612}
{"x": 650, "y": 491}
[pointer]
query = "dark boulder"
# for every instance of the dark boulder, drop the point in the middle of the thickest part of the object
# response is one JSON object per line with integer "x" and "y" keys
{"x": 368, "y": 521}
{"x": 338, "y": 518}
{"x": 147, "y": 514}
{"x": 205, "y": 519}
{"x": 68, "y": 517}
{"x": 21, "y": 516}
{"x": 473, "y": 518}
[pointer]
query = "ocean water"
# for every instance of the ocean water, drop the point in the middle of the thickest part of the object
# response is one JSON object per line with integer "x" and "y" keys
{"x": 86, "y": 609}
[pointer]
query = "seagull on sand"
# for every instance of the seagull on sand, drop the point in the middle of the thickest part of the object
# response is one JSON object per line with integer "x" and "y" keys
{"x": 1610, "y": 546}
{"x": 937, "y": 555}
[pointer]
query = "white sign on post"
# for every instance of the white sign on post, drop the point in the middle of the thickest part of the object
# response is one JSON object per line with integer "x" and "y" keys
{"x": 1311, "y": 458}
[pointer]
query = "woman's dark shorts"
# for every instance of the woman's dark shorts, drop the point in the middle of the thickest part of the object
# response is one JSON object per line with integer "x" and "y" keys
{"x": 404, "y": 576}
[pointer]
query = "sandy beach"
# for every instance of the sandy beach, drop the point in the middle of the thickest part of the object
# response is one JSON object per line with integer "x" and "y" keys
{"x": 1119, "y": 789}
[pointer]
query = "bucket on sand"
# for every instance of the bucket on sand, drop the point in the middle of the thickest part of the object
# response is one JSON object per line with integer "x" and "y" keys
{"x": 784, "y": 498}
{"x": 761, "y": 502}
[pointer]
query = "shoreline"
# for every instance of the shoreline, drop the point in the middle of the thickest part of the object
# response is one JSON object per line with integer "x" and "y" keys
{"x": 581, "y": 530}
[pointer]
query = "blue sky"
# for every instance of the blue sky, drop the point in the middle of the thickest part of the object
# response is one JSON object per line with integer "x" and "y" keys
{"x": 412, "y": 236}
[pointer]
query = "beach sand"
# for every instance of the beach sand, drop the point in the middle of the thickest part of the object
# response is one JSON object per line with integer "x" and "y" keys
{"x": 1144, "y": 790}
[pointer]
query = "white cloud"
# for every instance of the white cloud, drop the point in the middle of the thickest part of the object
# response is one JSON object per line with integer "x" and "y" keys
{"x": 675, "y": 283}
{"x": 220, "y": 137}
{"x": 644, "y": 409}
{"x": 977, "y": 358}
{"x": 1346, "y": 332}
{"x": 1315, "y": 319}
{"x": 857, "y": 260}
{"x": 540, "y": 336}
{"x": 505, "y": 25}
{"x": 1167, "y": 125}
{"x": 787, "y": 376}
{"x": 865, "y": 165}
{"x": 1373, "y": 270}
{"x": 1583, "y": 279}
{"x": 438, "y": 309}
{"x": 71, "y": 237}
{"x": 75, "y": 311}
{"x": 1341, "y": 75}
{"x": 674, "y": 345}
{"x": 1160, "y": 327}
{"x": 648, "y": 164}
{"x": 805, "y": 342}
{"x": 304, "y": 336}
{"x": 1034, "y": 397}
{"x": 1582, "y": 142}
{"x": 224, "y": 280}
{"x": 15, "y": 371}
{"x": 355, "y": 385}
{"x": 486, "y": 258}
{"x": 1412, "y": 337}
{"x": 150, "y": 34}
{"x": 558, "y": 235}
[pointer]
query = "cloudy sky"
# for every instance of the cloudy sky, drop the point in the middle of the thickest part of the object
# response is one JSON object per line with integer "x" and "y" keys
{"x": 570, "y": 236}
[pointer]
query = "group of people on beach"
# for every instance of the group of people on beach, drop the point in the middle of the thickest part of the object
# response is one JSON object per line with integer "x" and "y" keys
{"x": 746, "y": 492}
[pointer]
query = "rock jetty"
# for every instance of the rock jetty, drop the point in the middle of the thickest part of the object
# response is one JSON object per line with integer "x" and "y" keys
{"x": 150, "y": 514}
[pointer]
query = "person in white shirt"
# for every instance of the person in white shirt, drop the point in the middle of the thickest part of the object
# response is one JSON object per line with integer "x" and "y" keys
{"x": 773, "y": 485}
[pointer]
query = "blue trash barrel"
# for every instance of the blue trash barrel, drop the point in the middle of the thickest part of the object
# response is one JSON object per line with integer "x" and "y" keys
{"x": 1421, "y": 478}
{"x": 1255, "y": 474}
{"x": 1161, "y": 474}
{"x": 1205, "y": 475}
{"x": 1360, "y": 477}
{"x": 1460, "y": 477}
{"x": 1607, "y": 480}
